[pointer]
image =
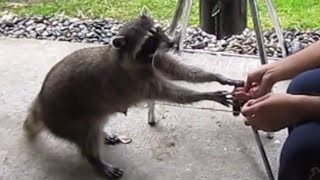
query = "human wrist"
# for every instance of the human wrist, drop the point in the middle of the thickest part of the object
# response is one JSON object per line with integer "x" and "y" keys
{"x": 271, "y": 77}
{"x": 279, "y": 71}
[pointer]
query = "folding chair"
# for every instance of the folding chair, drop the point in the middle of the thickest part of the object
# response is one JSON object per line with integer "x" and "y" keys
{"x": 262, "y": 54}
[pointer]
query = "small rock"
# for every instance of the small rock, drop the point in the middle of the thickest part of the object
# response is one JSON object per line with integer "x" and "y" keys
{"x": 74, "y": 20}
{"x": 82, "y": 26}
{"x": 19, "y": 32}
{"x": 45, "y": 33}
{"x": 55, "y": 23}
{"x": 106, "y": 40}
{"x": 41, "y": 27}
{"x": 199, "y": 45}
{"x": 90, "y": 34}
{"x": 9, "y": 24}
{"x": 66, "y": 23}
{"x": 30, "y": 28}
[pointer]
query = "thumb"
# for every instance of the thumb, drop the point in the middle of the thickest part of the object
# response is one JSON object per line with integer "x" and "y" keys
{"x": 254, "y": 105}
{"x": 266, "y": 84}
{"x": 252, "y": 79}
{"x": 249, "y": 108}
{"x": 248, "y": 83}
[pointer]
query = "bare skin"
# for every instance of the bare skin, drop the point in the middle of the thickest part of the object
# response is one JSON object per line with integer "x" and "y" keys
{"x": 262, "y": 107}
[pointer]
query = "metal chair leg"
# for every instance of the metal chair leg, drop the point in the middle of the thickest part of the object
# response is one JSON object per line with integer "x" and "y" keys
{"x": 185, "y": 15}
{"x": 263, "y": 58}
{"x": 185, "y": 21}
{"x": 276, "y": 25}
{"x": 178, "y": 13}
{"x": 151, "y": 118}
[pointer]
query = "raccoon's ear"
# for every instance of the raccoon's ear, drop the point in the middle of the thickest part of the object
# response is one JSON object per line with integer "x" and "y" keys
{"x": 145, "y": 12}
{"x": 118, "y": 41}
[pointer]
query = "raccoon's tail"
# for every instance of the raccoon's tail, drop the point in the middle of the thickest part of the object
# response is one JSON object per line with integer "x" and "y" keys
{"x": 33, "y": 124}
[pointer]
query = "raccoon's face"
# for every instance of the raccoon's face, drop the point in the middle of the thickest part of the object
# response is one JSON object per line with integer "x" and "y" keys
{"x": 134, "y": 34}
{"x": 155, "y": 39}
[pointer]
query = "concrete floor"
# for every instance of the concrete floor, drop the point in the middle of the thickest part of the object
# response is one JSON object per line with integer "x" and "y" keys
{"x": 187, "y": 144}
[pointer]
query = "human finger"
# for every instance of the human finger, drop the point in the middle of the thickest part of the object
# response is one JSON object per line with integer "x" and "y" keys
{"x": 253, "y": 106}
{"x": 242, "y": 96}
{"x": 248, "y": 109}
{"x": 238, "y": 89}
{"x": 252, "y": 120}
{"x": 264, "y": 87}
{"x": 249, "y": 119}
{"x": 247, "y": 122}
{"x": 248, "y": 84}
{"x": 257, "y": 100}
{"x": 252, "y": 78}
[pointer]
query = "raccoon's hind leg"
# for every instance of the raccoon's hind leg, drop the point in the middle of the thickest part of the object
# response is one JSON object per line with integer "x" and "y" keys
{"x": 90, "y": 147}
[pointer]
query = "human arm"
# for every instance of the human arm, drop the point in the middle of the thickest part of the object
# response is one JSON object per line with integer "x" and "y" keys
{"x": 294, "y": 64}
{"x": 261, "y": 80}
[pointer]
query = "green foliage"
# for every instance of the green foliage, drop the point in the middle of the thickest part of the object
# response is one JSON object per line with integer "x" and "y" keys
{"x": 292, "y": 13}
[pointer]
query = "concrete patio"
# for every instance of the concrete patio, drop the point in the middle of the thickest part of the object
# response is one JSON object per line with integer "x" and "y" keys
{"x": 187, "y": 144}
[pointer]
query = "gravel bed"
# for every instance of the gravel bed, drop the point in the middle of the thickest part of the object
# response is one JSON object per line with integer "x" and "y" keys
{"x": 100, "y": 31}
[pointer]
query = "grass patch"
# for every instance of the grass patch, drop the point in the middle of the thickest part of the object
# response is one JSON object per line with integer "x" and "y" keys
{"x": 292, "y": 13}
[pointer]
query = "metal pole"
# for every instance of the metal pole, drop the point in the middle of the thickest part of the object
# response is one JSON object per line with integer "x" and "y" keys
{"x": 263, "y": 58}
{"x": 185, "y": 20}
{"x": 263, "y": 154}
{"x": 258, "y": 31}
{"x": 276, "y": 24}
{"x": 187, "y": 7}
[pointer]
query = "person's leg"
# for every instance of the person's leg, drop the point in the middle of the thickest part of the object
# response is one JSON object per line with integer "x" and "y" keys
{"x": 300, "y": 155}
{"x": 306, "y": 83}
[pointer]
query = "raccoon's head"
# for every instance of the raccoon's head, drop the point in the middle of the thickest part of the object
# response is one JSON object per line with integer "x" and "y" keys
{"x": 155, "y": 40}
{"x": 133, "y": 34}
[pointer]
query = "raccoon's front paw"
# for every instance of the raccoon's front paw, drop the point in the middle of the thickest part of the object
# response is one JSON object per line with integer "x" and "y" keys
{"x": 223, "y": 97}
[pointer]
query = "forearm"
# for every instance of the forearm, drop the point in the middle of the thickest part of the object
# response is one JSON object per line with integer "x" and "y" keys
{"x": 308, "y": 107}
{"x": 294, "y": 64}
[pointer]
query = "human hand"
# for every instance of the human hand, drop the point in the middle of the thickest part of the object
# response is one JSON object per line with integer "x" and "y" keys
{"x": 271, "y": 112}
{"x": 258, "y": 83}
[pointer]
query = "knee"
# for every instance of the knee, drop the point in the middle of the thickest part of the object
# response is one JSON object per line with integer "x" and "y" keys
{"x": 305, "y": 83}
{"x": 302, "y": 147}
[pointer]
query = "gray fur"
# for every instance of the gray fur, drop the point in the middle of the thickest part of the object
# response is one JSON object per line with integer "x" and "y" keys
{"x": 87, "y": 86}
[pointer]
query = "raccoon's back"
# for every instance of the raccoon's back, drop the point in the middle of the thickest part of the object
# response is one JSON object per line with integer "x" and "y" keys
{"x": 76, "y": 81}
